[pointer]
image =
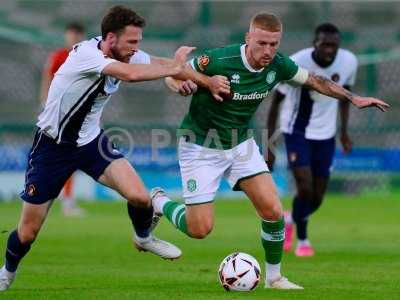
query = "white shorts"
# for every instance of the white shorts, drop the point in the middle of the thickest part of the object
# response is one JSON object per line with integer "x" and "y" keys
{"x": 203, "y": 168}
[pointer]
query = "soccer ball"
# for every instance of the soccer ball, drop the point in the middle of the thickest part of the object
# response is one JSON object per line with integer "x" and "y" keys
{"x": 239, "y": 272}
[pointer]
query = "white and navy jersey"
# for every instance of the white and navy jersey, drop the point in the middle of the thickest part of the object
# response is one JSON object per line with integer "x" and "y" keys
{"x": 308, "y": 112}
{"x": 79, "y": 92}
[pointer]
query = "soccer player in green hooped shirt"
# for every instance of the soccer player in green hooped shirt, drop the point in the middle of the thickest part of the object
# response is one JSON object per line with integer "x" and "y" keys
{"x": 214, "y": 140}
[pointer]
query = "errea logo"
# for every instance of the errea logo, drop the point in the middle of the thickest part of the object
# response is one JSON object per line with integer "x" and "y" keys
{"x": 235, "y": 78}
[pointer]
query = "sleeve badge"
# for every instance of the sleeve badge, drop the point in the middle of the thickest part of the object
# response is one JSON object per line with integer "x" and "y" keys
{"x": 202, "y": 62}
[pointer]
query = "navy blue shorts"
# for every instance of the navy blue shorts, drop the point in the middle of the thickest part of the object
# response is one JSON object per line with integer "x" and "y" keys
{"x": 316, "y": 154}
{"x": 51, "y": 164}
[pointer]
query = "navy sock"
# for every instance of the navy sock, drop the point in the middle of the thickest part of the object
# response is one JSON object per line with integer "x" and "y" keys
{"x": 301, "y": 229}
{"x": 300, "y": 213}
{"x": 141, "y": 219}
{"x": 314, "y": 207}
{"x": 15, "y": 251}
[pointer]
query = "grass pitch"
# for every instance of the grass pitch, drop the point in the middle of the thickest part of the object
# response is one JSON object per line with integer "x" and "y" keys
{"x": 356, "y": 241}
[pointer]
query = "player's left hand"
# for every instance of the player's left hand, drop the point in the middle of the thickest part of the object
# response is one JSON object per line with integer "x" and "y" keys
{"x": 363, "y": 102}
{"x": 182, "y": 52}
{"x": 347, "y": 144}
{"x": 187, "y": 88}
{"x": 219, "y": 87}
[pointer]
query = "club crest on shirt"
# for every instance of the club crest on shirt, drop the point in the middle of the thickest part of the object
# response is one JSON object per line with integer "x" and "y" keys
{"x": 335, "y": 77}
{"x": 202, "y": 62}
{"x": 292, "y": 157}
{"x": 270, "y": 77}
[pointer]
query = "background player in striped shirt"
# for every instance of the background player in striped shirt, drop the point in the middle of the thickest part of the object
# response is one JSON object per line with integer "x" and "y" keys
{"x": 74, "y": 33}
{"x": 308, "y": 122}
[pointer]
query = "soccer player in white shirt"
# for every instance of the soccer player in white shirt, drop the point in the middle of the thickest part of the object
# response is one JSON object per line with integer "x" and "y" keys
{"x": 308, "y": 122}
{"x": 69, "y": 137}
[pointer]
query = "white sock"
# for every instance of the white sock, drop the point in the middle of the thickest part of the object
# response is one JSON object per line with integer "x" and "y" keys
{"x": 288, "y": 218}
{"x": 273, "y": 271}
{"x": 142, "y": 240}
{"x": 159, "y": 202}
{"x": 8, "y": 273}
{"x": 305, "y": 242}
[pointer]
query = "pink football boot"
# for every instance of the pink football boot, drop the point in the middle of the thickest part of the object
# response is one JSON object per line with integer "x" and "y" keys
{"x": 305, "y": 250}
{"x": 287, "y": 244}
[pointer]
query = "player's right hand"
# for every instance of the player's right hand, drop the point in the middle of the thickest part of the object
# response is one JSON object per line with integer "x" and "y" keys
{"x": 219, "y": 87}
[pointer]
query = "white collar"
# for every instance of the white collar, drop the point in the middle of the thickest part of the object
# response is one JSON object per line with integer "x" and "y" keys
{"x": 245, "y": 62}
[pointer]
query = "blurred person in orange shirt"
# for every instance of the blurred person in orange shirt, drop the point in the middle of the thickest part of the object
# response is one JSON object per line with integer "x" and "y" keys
{"x": 74, "y": 33}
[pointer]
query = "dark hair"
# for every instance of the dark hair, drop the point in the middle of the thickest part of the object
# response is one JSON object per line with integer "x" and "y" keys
{"x": 117, "y": 18}
{"x": 75, "y": 26}
{"x": 326, "y": 28}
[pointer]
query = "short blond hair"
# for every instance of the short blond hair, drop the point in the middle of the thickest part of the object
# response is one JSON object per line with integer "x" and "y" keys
{"x": 266, "y": 21}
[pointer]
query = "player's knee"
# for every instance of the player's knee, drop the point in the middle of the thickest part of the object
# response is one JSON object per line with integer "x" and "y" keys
{"x": 200, "y": 231}
{"x": 28, "y": 234}
{"x": 140, "y": 199}
{"x": 199, "y": 234}
{"x": 273, "y": 212}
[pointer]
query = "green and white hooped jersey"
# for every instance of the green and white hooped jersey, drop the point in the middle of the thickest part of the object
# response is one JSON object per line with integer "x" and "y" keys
{"x": 214, "y": 124}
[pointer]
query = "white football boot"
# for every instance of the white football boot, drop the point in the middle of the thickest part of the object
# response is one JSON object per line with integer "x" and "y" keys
{"x": 6, "y": 279}
{"x": 152, "y": 244}
{"x": 158, "y": 247}
{"x": 282, "y": 283}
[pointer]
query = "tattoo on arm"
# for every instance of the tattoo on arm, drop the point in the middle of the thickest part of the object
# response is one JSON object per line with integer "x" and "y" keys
{"x": 327, "y": 87}
{"x": 349, "y": 95}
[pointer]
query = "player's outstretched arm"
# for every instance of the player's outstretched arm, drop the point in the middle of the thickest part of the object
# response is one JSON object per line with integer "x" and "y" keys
{"x": 164, "y": 61}
{"x": 184, "y": 88}
{"x": 142, "y": 72}
{"x": 217, "y": 85}
{"x": 331, "y": 89}
{"x": 190, "y": 79}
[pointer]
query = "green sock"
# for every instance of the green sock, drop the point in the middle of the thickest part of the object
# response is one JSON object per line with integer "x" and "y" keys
{"x": 272, "y": 237}
{"x": 176, "y": 214}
